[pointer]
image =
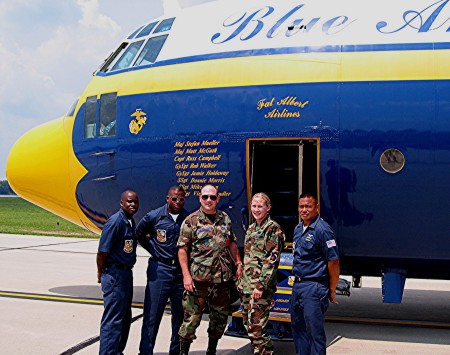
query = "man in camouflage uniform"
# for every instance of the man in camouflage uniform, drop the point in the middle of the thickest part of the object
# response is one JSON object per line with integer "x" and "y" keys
{"x": 204, "y": 247}
{"x": 263, "y": 244}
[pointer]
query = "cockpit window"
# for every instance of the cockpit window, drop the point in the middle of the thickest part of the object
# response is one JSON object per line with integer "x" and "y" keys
{"x": 89, "y": 117}
{"x": 165, "y": 25}
{"x": 128, "y": 56}
{"x": 108, "y": 62}
{"x": 108, "y": 106}
{"x": 134, "y": 33}
{"x": 147, "y": 29}
{"x": 125, "y": 56}
{"x": 151, "y": 50}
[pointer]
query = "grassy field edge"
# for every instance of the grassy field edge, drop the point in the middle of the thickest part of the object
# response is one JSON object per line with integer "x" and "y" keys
{"x": 18, "y": 216}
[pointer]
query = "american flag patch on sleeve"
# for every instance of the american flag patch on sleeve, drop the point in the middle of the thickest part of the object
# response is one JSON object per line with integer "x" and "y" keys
{"x": 331, "y": 243}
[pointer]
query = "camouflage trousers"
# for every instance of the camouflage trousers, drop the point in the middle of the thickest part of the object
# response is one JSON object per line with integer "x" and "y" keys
{"x": 255, "y": 314}
{"x": 217, "y": 296}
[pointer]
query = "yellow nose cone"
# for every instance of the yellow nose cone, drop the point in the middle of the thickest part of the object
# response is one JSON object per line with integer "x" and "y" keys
{"x": 42, "y": 168}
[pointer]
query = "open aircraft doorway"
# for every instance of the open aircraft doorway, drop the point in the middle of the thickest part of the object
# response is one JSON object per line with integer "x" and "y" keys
{"x": 283, "y": 168}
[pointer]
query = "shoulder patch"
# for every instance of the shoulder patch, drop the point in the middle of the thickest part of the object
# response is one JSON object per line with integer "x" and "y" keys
{"x": 331, "y": 243}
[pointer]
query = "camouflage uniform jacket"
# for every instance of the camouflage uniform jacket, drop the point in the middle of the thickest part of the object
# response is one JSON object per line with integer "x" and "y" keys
{"x": 262, "y": 249}
{"x": 207, "y": 244}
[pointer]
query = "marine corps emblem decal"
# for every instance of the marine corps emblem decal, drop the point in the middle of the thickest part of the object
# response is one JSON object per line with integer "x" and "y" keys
{"x": 128, "y": 246}
{"x": 138, "y": 122}
{"x": 161, "y": 235}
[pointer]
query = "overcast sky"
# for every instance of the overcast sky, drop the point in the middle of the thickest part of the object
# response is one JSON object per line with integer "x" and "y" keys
{"x": 49, "y": 49}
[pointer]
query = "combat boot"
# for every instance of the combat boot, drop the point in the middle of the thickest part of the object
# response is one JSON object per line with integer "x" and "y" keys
{"x": 184, "y": 347}
{"x": 212, "y": 346}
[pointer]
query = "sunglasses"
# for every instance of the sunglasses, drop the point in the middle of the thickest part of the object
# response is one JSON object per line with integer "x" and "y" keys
{"x": 211, "y": 197}
{"x": 176, "y": 198}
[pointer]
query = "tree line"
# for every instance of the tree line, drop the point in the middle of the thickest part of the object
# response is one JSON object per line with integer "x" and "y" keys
{"x": 5, "y": 189}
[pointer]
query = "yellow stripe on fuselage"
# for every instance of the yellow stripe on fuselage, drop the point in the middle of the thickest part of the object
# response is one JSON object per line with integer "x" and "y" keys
{"x": 280, "y": 69}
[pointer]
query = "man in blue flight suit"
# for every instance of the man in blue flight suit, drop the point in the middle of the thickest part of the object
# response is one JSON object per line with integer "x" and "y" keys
{"x": 158, "y": 233}
{"x": 316, "y": 274}
{"x": 115, "y": 258}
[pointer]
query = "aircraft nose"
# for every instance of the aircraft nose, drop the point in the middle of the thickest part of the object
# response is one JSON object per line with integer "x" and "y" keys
{"x": 38, "y": 168}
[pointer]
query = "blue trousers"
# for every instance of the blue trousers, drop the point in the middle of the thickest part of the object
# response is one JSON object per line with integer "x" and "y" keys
{"x": 117, "y": 287}
{"x": 308, "y": 306}
{"x": 164, "y": 282}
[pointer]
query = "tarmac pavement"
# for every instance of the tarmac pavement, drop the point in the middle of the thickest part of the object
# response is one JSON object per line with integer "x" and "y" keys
{"x": 65, "y": 267}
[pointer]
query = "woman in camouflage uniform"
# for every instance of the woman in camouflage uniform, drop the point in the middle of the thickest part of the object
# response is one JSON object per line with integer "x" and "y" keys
{"x": 263, "y": 244}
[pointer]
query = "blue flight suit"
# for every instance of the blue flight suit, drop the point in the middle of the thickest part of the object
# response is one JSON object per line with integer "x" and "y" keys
{"x": 164, "y": 276}
{"x": 314, "y": 247}
{"x": 119, "y": 241}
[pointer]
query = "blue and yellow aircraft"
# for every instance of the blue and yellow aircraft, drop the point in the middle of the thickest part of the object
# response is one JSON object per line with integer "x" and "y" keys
{"x": 348, "y": 99}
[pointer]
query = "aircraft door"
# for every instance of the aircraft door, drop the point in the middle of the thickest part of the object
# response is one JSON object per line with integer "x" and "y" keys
{"x": 283, "y": 169}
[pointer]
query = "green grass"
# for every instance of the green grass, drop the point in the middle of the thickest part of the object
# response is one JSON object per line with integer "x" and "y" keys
{"x": 18, "y": 216}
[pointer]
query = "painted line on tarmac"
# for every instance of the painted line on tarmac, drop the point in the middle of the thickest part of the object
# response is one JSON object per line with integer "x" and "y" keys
{"x": 377, "y": 321}
{"x": 285, "y": 317}
{"x": 53, "y": 298}
{"x": 31, "y": 247}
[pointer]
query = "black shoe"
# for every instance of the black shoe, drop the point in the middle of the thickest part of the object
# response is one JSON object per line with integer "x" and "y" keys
{"x": 184, "y": 347}
{"x": 212, "y": 346}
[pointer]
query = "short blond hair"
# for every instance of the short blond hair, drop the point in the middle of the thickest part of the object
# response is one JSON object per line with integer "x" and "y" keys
{"x": 263, "y": 196}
